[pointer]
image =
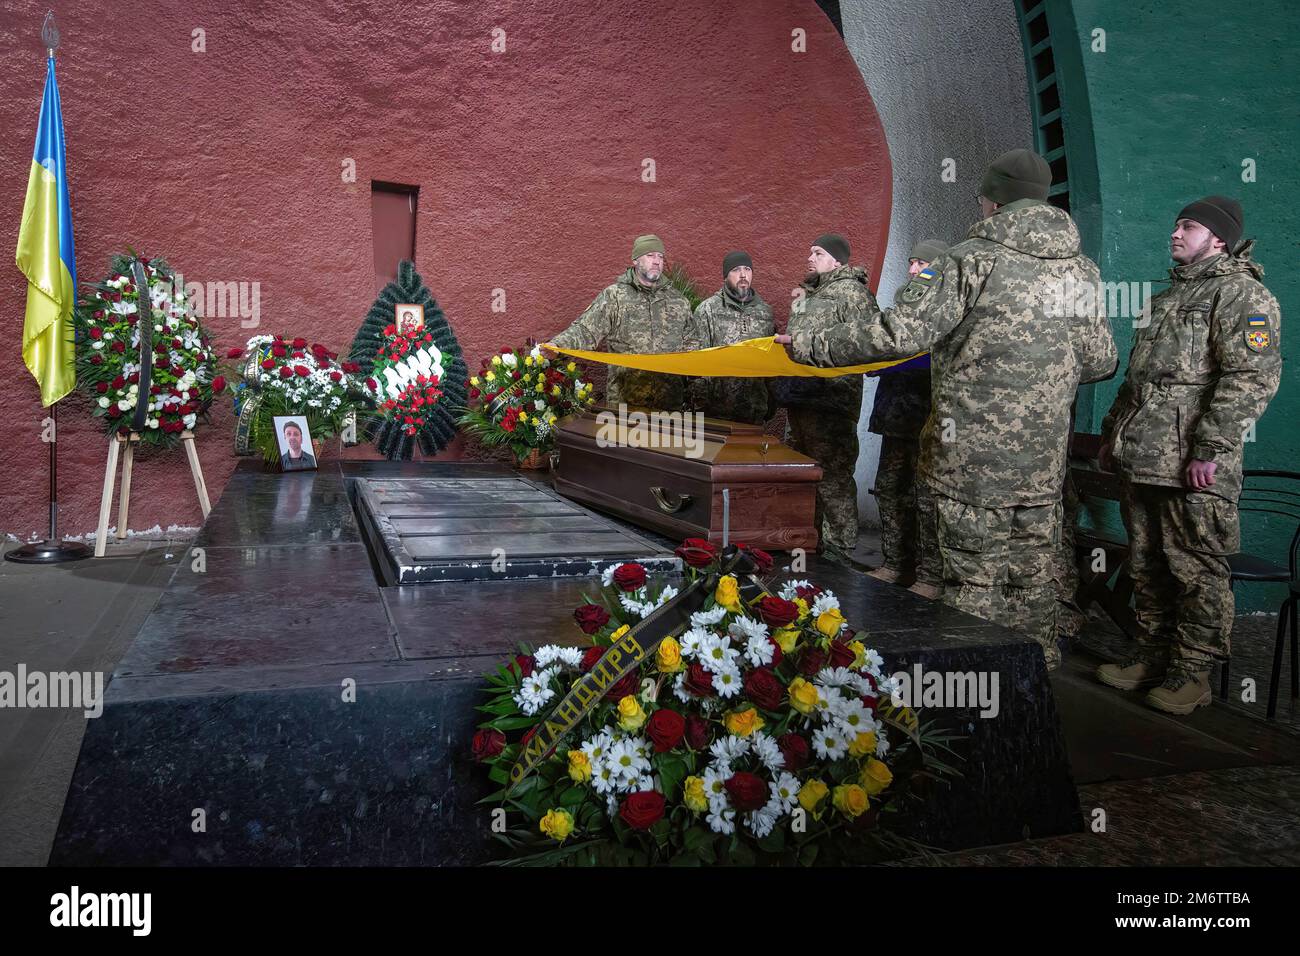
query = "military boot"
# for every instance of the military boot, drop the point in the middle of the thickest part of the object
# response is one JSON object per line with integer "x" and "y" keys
{"x": 1182, "y": 692}
{"x": 884, "y": 573}
{"x": 930, "y": 591}
{"x": 1134, "y": 673}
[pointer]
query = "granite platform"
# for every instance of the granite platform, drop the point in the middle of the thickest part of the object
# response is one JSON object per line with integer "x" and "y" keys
{"x": 282, "y": 705}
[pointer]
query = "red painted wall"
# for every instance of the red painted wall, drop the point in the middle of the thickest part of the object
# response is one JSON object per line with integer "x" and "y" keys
{"x": 229, "y": 163}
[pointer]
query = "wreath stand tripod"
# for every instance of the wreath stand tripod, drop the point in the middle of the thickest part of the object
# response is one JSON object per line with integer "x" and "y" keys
{"x": 110, "y": 475}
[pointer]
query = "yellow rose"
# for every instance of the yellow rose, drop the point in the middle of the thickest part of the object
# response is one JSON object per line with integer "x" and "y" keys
{"x": 579, "y": 767}
{"x": 863, "y": 744}
{"x": 693, "y": 795}
{"x": 490, "y": 376}
{"x": 728, "y": 593}
{"x": 876, "y": 776}
{"x": 496, "y": 360}
{"x": 668, "y": 657}
{"x": 529, "y": 361}
{"x": 742, "y": 723}
{"x": 802, "y": 605}
{"x": 474, "y": 380}
{"x": 557, "y": 824}
{"x": 786, "y": 637}
{"x": 830, "y": 622}
{"x": 571, "y": 367}
{"x": 630, "y": 714}
{"x": 803, "y": 696}
{"x": 555, "y": 390}
{"x": 523, "y": 416}
{"x": 811, "y": 794}
{"x": 859, "y": 655}
{"x": 851, "y": 800}
{"x": 613, "y": 638}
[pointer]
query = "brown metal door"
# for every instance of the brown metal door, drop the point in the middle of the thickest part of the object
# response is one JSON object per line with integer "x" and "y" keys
{"x": 392, "y": 213}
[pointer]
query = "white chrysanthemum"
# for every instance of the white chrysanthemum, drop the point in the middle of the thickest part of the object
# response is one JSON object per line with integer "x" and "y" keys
{"x": 767, "y": 751}
{"x": 874, "y": 662}
{"x": 597, "y": 747}
{"x": 607, "y": 576}
{"x": 625, "y": 760}
{"x": 853, "y": 717}
{"x": 708, "y": 618}
{"x": 691, "y": 641}
{"x": 679, "y": 689}
{"x": 888, "y": 687}
{"x": 882, "y": 746}
{"x": 759, "y": 650}
{"x": 762, "y": 821}
{"x": 823, "y": 603}
{"x": 546, "y": 654}
{"x": 633, "y": 606}
{"x": 645, "y": 782}
{"x": 722, "y": 820}
{"x": 743, "y": 628}
{"x": 727, "y": 681}
{"x": 666, "y": 595}
{"x": 570, "y": 656}
{"x": 785, "y": 792}
{"x": 830, "y": 742}
{"x": 604, "y": 778}
{"x": 791, "y": 589}
{"x": 729, "y": 749}
{"x": 715, "y": 790}
{"x": 836, "y": 677}
{"x": 717, "y": 655}
{"x": 508, "y": 359}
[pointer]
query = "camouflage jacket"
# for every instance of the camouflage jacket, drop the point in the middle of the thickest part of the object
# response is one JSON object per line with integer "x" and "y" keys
{"x": 832, "y": 302}
{"x": 1200, "y": 373}
{"x": 1004, "y": 365}
{"x": 902, "y": 403}
{"x": 722, "y": 319}
{"x": 628, "y": 317}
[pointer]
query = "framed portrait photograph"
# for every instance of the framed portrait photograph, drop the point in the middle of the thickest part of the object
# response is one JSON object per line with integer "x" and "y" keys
{"x": 294, "y": 437}
{"x": 409, "y": 317}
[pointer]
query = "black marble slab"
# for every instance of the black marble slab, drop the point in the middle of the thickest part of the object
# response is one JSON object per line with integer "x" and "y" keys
{"x": 231, "y": 698}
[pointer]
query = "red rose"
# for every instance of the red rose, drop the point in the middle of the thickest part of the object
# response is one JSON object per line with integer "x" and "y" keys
{"x": 101, "y": 387}
{"x": 761, "y": 558}
{"x": 97, "y": 360}
{"x": 641, "y": 810}
{"x": 807, "y": 591}
{"x": 795, "y": 750}
{"x": 119, "y": 382}
{"x": 234, "y": 353}
{"x": 747, "y": 791}
{"x": 160, "y": 361}
{"x": 279, "y": 351}
{"x": 286, "y": 372}
{"x": 665, "y": 728}
{"x": 697, "y": 552}
{"x": 177, "y": 343}
{"x": 134, "y": 378}
{"x": 300, "y": 343}
{"x": 698, "y": 734}
{"x": 630, "y": 683}
{"x": 302, "y": 370}
{"x": 351, "y": 367}
{"x": 336, "y": 376}
{"x": 764, "y": 688}
{"x": 96, "y": 333}
{"x": 219, "y": 383}
{"x": 268, "y": 364}
{"x": 698, "y": 681}
{"x": 811, "y": 660}
{"x": 590, "y": 657}
{"x": 118, "y": 347}
{"x": 591, "y": 618}
{"x": 841, "y": 656}
{"x": 372, "y": 385}
{"x": 629, "y": 577}
{"x": 777, "y": 612}
{"x": 525, "y": 664}
{"x": 320, "y": 351}
{"x": 869, "y": 701}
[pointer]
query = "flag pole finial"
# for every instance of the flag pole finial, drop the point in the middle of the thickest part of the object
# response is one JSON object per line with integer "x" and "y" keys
{"x": 50, "y": 33}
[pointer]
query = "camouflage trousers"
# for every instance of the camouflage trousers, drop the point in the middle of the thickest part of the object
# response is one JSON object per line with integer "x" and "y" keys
{"x": 907, "y": 532}
{"x": 1179, "y": 542}
{"x": 830, "y": 439}
{"x": 998, "y": 564}
{"x": 1069, "y": 616}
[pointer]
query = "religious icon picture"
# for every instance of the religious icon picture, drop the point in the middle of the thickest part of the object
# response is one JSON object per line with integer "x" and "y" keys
{"x": 410, "y": 318}
{"x": 294, "y": 437}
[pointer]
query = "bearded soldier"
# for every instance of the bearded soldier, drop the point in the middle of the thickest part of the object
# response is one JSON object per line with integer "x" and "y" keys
{"x": 823, "y": 413}
{"x": 641, "y": 312}
{"x": 1004, "y": 369}
{"x": 1201, "y": 372}
{"x": 735, "y": 313}
{"x": 901, "y": 406}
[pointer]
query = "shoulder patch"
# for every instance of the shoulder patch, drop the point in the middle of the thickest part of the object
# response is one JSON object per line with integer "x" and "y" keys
{"x": 1258, "y": 339}
{"x": 926, "y": 274}
{"x": 1257, "y": 321}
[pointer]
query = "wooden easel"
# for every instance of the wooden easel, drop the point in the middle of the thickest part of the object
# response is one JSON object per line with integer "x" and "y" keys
{"x": 110, "y": 474}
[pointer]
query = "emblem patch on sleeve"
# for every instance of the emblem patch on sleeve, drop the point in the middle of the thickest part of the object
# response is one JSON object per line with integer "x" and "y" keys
{"x": 919, "y": 285}
{"x": 1258, "y": 339}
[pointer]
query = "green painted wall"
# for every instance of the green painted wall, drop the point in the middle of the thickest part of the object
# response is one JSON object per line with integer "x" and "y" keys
{"x": 1181, "y": 95}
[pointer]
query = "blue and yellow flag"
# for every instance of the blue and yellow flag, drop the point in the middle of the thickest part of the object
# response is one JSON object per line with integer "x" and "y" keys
{"x": 46, "y": 257}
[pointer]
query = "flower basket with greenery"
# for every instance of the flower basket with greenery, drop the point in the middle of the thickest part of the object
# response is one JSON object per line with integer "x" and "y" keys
{"x": 284, "y": 376}
{"x": 181, "y": 381}
{"x": 760, "y": 730}
{"x": 518, "y": 396}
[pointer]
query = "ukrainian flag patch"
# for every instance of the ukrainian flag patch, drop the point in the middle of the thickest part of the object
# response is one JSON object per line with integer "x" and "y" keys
{"x": 926, "y": 274}
{"x": 1257, "y": 321}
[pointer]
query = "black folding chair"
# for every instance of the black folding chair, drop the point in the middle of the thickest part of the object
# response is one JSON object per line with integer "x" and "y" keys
{"x": 1261, "y": 495}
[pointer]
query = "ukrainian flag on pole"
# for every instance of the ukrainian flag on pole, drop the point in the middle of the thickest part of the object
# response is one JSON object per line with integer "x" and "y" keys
{"x": 46, "y": 257}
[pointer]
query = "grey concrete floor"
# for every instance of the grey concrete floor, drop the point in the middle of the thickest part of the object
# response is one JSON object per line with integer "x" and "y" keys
{"x": 1222, "y": 786}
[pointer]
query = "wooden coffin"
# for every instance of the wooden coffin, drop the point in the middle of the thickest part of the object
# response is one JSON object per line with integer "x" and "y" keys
{"x": 664, "y": 475}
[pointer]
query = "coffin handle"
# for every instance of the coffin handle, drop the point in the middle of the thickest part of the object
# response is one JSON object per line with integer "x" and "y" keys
{"x": 669, "y": 502}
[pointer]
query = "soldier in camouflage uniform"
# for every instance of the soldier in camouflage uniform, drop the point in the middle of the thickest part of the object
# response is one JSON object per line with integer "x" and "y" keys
{"x": 823, "y": 413}
{"x": 735, "y": 313}
{"x": 901, "y": 406}
{"x": 1201, "y": 372}
{"x": 640, "y": 312}
{"x": 1004, "y": 369}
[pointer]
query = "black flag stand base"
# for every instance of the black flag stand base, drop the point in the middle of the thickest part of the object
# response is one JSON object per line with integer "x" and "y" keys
{"x": 48, "y": 552}
{"x": 51, "y": 550}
